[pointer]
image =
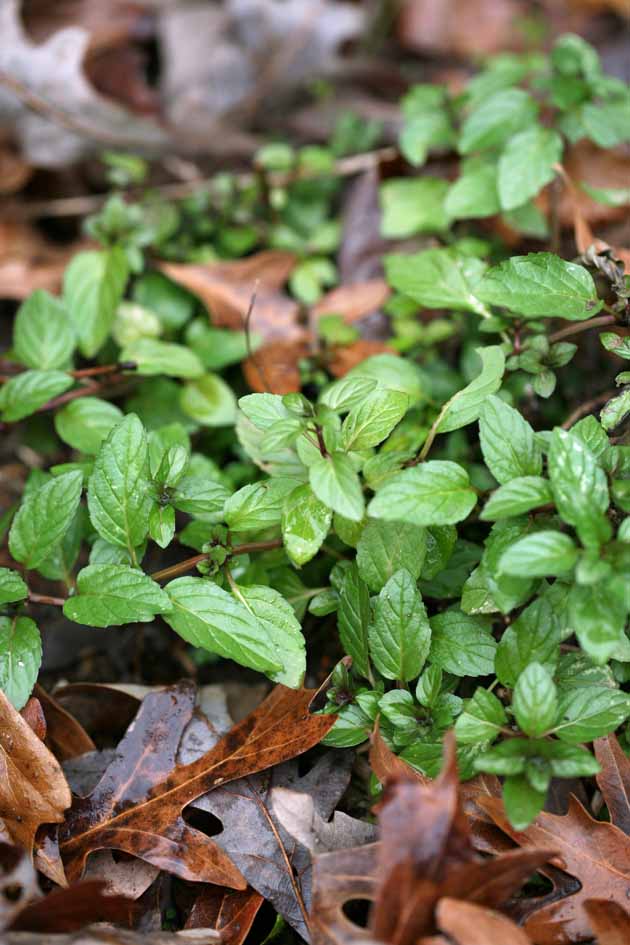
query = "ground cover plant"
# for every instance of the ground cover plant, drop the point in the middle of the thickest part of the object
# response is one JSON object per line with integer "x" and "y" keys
{"x": 429, "y": 520}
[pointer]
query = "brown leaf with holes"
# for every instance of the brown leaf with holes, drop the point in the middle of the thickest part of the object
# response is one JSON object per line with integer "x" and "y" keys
{"x": 230, "y": 911}
{"x": 137, "y": 805}
{"x": 596, "y": 853}
{"x": 469, "y": 924}
{"x": 609, "y": 921}
{"x": 614, "y": 780}
{"x": 33, "y": 789}
{"x": 425, "y": 855}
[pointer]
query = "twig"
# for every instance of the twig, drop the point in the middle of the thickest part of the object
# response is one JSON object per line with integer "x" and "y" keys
{"x": 570, "y": 330}
{"x": 78, "y": 206}
{"x": 189, "y": 563}
{"x": 587, "y": 408}
{"x": 46, "y": 599}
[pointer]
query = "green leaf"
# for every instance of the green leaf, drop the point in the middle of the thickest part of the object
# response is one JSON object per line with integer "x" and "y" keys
{"x": 305, "y": 524}
{"x": 522, "y": 802}
{"x": 517, "y": 497}
{"x": 43, "y": 518}
{"x": 534, "y": 700}
{"x": 85, "y": 422}
{"x": 336, "y": 483}
{"x": 462, "y": 644}
{"x": 93, "y": 286}
{"x": 27, "y": 392}
{"x": 353, "y": 617}
{"x": 208, "y": 617}
{"x": 385, "y": 547}
{"x": 539, "y": 555}
{"x": 474, "y": 194}
{"x": 438, "y": 278}
{"x": 152, "y": 356}
{"x": 618, "y": 344}
{"x": 258, "y": 505}
{"x": 433, "y": 493}
{"x": 464, "y": 406}
{"x": 579, "y": 487}
{"x": 200, "y": 497}
{"x": 533, "y": 637}
{"x": 172, "y": 304}
{"x": 369, "y": 423}
{"x": 413, "y": 205}
{"x": 607, "y": 124}
{"x": 118, "y": 501}
{"x": 541, "y": 284}
{"x": 597, "y": 619}
{"x": 527, "y": 164}
{"x": 277, "y": 618}
{"x": 450, "y": 581}
{"x": 610, "y": 196}
{"x": 347, "y": 392}
{"x": 162, "y": 525}
{"x": 352, "y": 728}
{"x": 43, "y": 337}
{"x": 20, "y": 658}
{"x": 498, "y": 118}
{"x": 427, "y": 124}
{"x": 507, "y": 442}
{"x": 109, "y": 595}
{"x": 209, "y": 401}
{"x": 263, "y": 410}
{"x": 615, "y": 411}
{"x": 589, "y": 713}
{"x": 218, "y": 348}
{"x": 12, "y": 587}
{"x": 481, "y": 720}
{"x": 400, "y": 635}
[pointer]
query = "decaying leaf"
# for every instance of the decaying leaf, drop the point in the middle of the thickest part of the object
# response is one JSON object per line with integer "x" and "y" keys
{"x": 65, "y": 736}
{"x": 137, "y": 805}
{"x": 230, "y": 911}
{"x": 614, "y": 780}
{"x": 596, "y": 853}
{"x": 67, "y": 910}
{"x": 469, "y": 924}
{"x": 33, "y": 789}
{"x": 28, "y": 261}
{"x": 18, "y": 882}
{"x": 609, "y": 921}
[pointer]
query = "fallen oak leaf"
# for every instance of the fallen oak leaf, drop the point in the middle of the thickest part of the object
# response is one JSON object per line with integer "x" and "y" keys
{"x": 33, "y": 789}
{"x": 230, "y": 911}
{"x": 69, "y": 909}
{"x": 142, "y": 814}
{"x": 609, "y": 920}
{"x": 613, "y": 780}
{"x": 64, "y": 734}
{"x": 596, "y": 853}
{"x": 33, "y": 714}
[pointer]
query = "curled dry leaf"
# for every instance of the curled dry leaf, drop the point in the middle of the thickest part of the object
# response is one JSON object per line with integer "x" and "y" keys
{"x": 274, "y": 368}
{"x": 469, "y": 924}
{"x": 230, "y": 911}
{"x": 588, "y": 164}
{"x": 596, "y": 853}
{"x": 609, "y": 921}
{"x": 66, "y": 910}
{"x": 614, "y": 780}
{"x": 64, "y": 734}
{"x": 137, "y": 805}
{"x": 33, "y": 789}
{"x": 33, "y": 714}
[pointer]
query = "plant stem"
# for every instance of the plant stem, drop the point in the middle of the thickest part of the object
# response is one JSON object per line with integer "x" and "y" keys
{"x": 45, "y": 599}
{"x": 571, "y": 330}
{"x": 103, "y": 369}
{"x": 587, "y": 408}
{"x": 189, "y": 563}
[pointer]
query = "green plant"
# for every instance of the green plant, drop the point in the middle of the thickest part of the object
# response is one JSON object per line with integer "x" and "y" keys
{"x": 457, "y": 527}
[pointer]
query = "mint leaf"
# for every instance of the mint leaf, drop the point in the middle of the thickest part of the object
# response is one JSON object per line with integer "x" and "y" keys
{"x": 263, "y": 410}
{"x": 118, "y": 501}
{"x": 209, "y": 401}
{"x": 277, "y": 618}
{"x": 464, "y": 406}
{"x": 305, "y": 524}
{"x": 598, "y": 619}
{"x": 438, "y": 278}
{"x": 507, "y": 442}
{"x": 539, "y": 555}
{"x": 534, "y": 637}
{"x": 400, "y": 635}
{"x": 522, "y": 802}
{"x": 474, "y": 194}
{"x": 85, "y": 422}
{"x": 413, "y": 205}
{"x": 200, "y": 497}
{"x": 481, "y": 720}
{"x": 258, "y": 506}
{"x": 208, "y": 617}
{"x": 162, "y": 525}
{"x": 461, "y": 644}
{"x": 336, "y": 483}
{"x": 369, "y": 423}
{"x": 579, "y": 487}
{"x": 25, "y": 393}
{"x": 498, "y": 118}
{"x": 586, "y": 714}
{"x": 43, "y": 518}
{"x": 433, "y": 493}
{"x": 385, "y": 547}
{"x": 541, "y": 284}
{"x": 153, "y": 357}
{"x": 43, "y": 337}
{"x": 348, "y": 392}
{"x": 12, "y": 587}
{"x": 93, "y": 286}
{"x": 517, "y": 497}
{"x": 20, "y": 658}
{"x": 109, "y": 595}
{"x": 527, "y": 164}
{"x": 534, "y": 700}
{"x": 353, "y": 617}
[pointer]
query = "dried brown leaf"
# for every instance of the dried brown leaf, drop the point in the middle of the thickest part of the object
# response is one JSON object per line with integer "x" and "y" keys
{"x": 614, "y": 780}
{"x": 64, "y": 734}
{"x": 231, "y": 912}
{"x": 66, "y": 910}
{"x": 609, "y": 920}
{"x": 33, "y": 789}
{"x": 469, "y": 924}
